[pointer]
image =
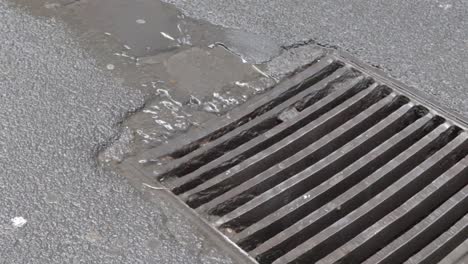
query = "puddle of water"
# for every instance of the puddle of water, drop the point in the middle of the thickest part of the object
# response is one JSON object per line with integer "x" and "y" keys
{"x": 188, "y": 70}
{"x": 143, "y": 27}
{"x": 173, "y": 111}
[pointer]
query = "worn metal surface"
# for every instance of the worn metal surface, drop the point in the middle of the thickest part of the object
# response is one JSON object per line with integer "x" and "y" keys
{"x": 336, "y": 164}
{"x": 59, "y": 206}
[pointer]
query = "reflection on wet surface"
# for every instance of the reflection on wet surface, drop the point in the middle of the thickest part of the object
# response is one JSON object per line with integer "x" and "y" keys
{"x": 189, "y": 71}
{"x": 134, "y": 23}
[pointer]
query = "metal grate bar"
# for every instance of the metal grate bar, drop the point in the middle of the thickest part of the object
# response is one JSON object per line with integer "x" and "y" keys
{"x": 460, "y": 254}
{"x": 323, "y": 243}
{"x": 262, "y": 141}
{"x": 316, "y": 197}
{"x": 267, "y": 179}
{"x": 323, "y": 74}
{"x": 444, "y": 244}
{"x": 352, "y": 198}
{"x": 287, "y": 146}
{"x": 337, "y": 164}
{"x": 364, "y": 166}
{"x": 405, "y": 216}
{"x": 424, "y": 232}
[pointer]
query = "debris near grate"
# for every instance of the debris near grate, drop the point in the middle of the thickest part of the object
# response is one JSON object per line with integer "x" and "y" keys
{"x": 337, "y": 164}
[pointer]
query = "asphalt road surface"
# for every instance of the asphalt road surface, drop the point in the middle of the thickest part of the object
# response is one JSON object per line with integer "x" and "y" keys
{"x": 59, "y": 107}
{"x": 422, "y": 43}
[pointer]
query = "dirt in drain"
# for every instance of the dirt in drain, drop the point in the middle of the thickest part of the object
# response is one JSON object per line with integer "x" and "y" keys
{"x": 188, "y": 70}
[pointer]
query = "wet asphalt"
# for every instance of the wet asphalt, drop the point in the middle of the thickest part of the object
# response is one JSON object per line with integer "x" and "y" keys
{"x": 57, "y": 109}
{"x": 60, "y": 105}
{"x": 422, "y": 43}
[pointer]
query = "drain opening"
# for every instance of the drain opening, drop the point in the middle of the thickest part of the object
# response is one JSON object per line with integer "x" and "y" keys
{"x": 357, "y": 224}
{"x": 337, "y": 167}
{"x": 434, "y": 250}
{"x": 352, "y": 200}
{"x": 225, "y": 204}
{"x": 272, "y": 120}
{"x": 324, "y": 173}
{"x": 406, "y": 216}
{"x": 360, "y": 102}
{"x": 323, "y": 73}
{"x": 278, "y": 134}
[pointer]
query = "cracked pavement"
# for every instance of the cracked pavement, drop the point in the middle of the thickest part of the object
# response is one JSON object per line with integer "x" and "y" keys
{"x": 63, "y": 98}
{"x": 58, "y": 108}
{"x": 422, "y": 43}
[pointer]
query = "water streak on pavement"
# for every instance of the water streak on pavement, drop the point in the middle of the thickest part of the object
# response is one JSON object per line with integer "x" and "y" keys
{"x": 82, "y": 79}
{"x": 186, "y": 69}
{"x": 70, "y": 73}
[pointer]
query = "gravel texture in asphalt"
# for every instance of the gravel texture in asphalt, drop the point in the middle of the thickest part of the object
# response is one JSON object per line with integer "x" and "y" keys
{"x": 59, "y": 106}
{"x": 422, "y": 43}
{"x": 57, "y": 109}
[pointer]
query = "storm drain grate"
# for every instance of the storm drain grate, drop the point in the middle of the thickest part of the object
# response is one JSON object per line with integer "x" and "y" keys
{"x": 335, "y": 165}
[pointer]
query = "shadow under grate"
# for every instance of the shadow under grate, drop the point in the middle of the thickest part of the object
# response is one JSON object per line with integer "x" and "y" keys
{"x": 336, "y": 164}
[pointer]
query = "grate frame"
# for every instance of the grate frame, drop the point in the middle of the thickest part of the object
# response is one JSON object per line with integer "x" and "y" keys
{"x": 341, "y": 65}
